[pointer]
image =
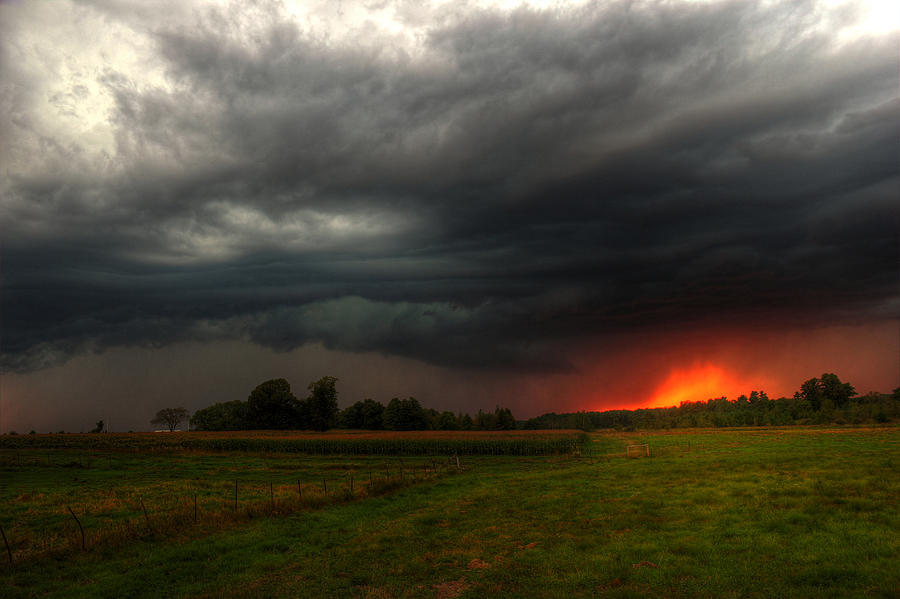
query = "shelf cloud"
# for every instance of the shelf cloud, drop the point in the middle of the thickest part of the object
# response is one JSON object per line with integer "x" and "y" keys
{"x": 467, "y": 184}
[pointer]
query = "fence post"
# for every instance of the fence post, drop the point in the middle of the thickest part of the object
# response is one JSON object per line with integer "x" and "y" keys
{"x": 146, "y": 517}
{"x": 234, "y": 509}
{"x": 77, "y": 522}
{"x": 195, "y": 508}
{"x": 272, "y": 496}
{"x": 299, "y": 490}
{"x": 5, "y": 542}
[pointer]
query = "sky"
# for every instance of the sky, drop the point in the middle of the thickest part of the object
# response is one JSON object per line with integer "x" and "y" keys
{"x": 549, "y": 206}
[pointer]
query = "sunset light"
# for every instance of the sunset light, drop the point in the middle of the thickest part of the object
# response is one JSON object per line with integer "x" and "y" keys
{"x": 698, "y": 383}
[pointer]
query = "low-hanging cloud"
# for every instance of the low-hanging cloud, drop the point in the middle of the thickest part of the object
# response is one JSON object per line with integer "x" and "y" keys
{"x": 469, "y": 186}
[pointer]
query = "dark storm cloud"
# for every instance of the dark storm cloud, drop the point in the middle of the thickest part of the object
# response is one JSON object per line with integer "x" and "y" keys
{"x": 516, "y": 182}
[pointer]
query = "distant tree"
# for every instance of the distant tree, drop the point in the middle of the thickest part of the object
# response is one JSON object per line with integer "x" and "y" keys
{"x": 405, "y": 415}
{"x": 225, "y": 416}
{"x": 271, "y": 405}
{"x": 503, "y": 419}
{"x": 170, "y": 417}
{"x": 833, "y": 389}
{"x": 432, "y": 419}
{"x": 485, "y": 421}
{"x": 829, "y": 388}
{"x": 810, "y": 392}
{"x": 321, "y": 405}
{"x": 98, "y": 428}
{"x": 447, "y": 422}
{"x": 465, "y": 422}
{"x": 365, "y": 414}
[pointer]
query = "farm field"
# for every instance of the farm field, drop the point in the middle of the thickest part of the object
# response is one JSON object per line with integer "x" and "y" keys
{"x": 335, "y": 442}
{"x": 792, "y": 512}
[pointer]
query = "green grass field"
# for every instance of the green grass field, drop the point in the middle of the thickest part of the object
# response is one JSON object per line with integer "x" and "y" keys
{"x": 791, "y": 512}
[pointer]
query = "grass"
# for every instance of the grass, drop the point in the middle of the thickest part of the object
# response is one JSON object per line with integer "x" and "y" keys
{"x": 748, "y": 513}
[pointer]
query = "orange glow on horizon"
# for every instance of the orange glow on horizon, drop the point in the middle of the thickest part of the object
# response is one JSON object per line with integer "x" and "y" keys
{"x": 698, "y": 383}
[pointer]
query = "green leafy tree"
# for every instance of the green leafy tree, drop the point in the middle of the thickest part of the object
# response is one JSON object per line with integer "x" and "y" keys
{"x": 321, "y": 406}
{"x": 810, "y": 392}
{"x": 271, "y": 405}
{"x": 817, "y": 391}
{"x": 485, "y": 421}
{"x": 225, "y": 416}
{"x": 170, "y": 417}
{"x": 503, "y": 419}
{"x": 405, "y": 415}
{"x": 98, "y": 428}
{"x": 447, "y": 422}
{"x": 365, "y": 414}
{"x": 833, "y": 389}
{"x": 432, "y": 419}
{"x": 465, "y": 422}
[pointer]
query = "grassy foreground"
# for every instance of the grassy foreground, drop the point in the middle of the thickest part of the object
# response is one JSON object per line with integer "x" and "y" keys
{"x": 739, "y": 513}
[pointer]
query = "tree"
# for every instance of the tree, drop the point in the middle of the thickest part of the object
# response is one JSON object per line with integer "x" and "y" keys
{"x": 485, "y": 421}
{"x": 447, "y": 421}
{"x": 810, "y": 392}
{"x": 321, "y": 405}
{"x": 829, "y": 387}
{"x": 405, "y": 415}
{"x": 271, "y": 405}
{"x": 365, "y": 414}
{"x": 503, "y": 419}
{"x": 225, "y": 416}
{"x": 833, "y": 389}
{"x": 170, "y": 417}
{"x": 465, "y": 422}
{"x": 98, "y": 428}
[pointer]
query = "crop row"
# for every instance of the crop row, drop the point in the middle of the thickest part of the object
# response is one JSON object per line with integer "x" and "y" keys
{"x": 385, "y": 446}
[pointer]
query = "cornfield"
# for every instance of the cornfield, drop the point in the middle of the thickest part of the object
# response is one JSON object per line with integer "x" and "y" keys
{"x": 513, "y": 443}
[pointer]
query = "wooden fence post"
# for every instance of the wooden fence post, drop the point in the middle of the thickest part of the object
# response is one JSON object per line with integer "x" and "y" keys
{"x": 146, "y": 517}
{"x": 79, "y": 527}
{"x": 5, "y": 542}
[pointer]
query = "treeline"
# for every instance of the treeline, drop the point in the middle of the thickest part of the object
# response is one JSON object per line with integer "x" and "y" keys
{"x": 272, "y": 405}
{"x": 823, "y": 400}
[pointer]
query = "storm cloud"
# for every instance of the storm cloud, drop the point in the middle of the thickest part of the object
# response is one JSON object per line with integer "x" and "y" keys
{"x": 464, "y": 184}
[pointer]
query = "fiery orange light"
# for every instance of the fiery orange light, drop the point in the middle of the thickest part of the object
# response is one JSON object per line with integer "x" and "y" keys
{"x": 698, "y": 383}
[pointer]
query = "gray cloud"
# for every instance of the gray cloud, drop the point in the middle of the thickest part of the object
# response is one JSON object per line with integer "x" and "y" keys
{"x": 504, "y": 185}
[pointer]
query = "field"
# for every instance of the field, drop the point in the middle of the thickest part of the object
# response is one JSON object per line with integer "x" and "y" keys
{"x": 792, "y": 512}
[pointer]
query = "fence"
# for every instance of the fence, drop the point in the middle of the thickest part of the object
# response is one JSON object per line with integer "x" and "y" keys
{"x": 213, "y": 504}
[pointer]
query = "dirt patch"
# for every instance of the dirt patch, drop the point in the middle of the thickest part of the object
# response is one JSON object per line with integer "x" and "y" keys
{"x": 644, "y": 564}
{"x": 616, "y": 582}
{"x": 477, "y": 564}
{"x": 377, "y": 593}
{"x": 448, "y": 590}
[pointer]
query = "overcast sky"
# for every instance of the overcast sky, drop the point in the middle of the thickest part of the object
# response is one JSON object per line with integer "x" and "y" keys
{"x": 549, "y": 206}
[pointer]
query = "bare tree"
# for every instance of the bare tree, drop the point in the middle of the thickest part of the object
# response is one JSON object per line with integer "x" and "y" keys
{"x": 170, "y": 417}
